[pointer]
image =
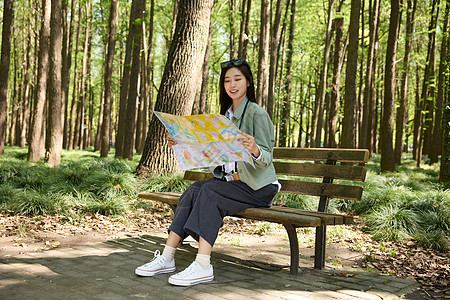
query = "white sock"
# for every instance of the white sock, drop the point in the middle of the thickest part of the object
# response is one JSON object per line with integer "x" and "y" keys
{"x": 203, "y": 260}
{"x": 169, "y": 252}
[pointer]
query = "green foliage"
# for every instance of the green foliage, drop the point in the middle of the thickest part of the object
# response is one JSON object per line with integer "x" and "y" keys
{"x": 407, "y": 204}
{"x": 391, "y": 223}
{"x": 83, "y": 183}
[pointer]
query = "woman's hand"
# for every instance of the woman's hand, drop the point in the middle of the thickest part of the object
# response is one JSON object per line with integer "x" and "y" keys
{"x": 170, "y": 141}
{"x": 249, "y": 143}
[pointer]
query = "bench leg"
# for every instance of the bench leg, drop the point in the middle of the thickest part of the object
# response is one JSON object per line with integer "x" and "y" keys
{"x": 319, "y": 256}
{"x": 293, "y": 243}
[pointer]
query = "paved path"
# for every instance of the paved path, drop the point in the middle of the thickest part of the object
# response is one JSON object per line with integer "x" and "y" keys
{"x": 106, "y": 271}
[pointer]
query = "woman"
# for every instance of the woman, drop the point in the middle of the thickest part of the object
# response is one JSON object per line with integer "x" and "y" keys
{"x": 235, "y": 187}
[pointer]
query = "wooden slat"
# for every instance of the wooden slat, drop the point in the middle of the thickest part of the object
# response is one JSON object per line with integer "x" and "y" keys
{"x": 297, "y": 217}
{"x": 169, "y": 198}
{"x": 321, "y": 170}
{"x": 322, "y": 154}
{"x": 197, "y": 176}
{"x": 271, "y": 215}
{"x": 331, "y": 219}
{"x": 321, "y": 189}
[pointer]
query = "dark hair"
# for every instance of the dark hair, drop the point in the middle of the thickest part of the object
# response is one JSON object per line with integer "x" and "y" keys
{"x": 243, "y": 66}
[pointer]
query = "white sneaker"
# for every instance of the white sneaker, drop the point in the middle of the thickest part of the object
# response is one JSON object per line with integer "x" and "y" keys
{"x": 194, "y": 274}
{"x": 158, "y": 265}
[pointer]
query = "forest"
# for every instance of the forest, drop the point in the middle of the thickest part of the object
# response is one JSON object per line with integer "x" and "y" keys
{"x": 79, "y": 74}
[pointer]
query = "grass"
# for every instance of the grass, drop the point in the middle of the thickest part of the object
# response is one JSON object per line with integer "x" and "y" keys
{"x": 407, "y": 204}
{"x": 83, "y": 183}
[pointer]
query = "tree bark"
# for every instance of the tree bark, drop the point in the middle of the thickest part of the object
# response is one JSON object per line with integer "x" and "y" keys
{"x": 124, "y": 84}
{"x": 436, "y": 148}
{"x": 348, "y": 139}
{"x": 402, "y": 109}
{"x": 274, "y": 47}
{"x": 285, "y": 110}
{"x": 67, "y": 63}
{"x": 109, "y": 58}
{"x": 317, "y": 126}
{"x": 426, "y": 92}
{"x": 130, "y": 125}
{"x": 336, "y": 80}
{"x": 262, "y": 92}
{"x": 36, "y": 146}
{"x": 53, "y": 157}
{"x": 177, "y": 90}
{"x": 201, "y": 106}
{"x": 8, "y": 19}
{"x": 387, "y": 124}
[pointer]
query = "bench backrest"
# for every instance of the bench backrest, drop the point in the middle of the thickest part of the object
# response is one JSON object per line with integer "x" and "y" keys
{"x": 324, "y": 163}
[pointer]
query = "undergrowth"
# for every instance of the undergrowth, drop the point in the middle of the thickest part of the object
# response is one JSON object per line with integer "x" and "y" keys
{"x": 407, "y": 204}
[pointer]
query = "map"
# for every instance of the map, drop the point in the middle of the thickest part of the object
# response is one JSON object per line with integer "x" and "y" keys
{"x": 204, "y": 140}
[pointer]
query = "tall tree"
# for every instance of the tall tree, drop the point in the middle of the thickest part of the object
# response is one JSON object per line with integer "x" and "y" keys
{"x": 53, "y": 157}
{"x": 200, "y": 105}
{"x": 262, "y": 92}
{"x": 274, "y": 42}
{"x": 36, "y": 145}
{"x": 336, "y": 80}
{"x": 348, "y": 139}
{"x": 109, "y": 57}
{"x": 244, "y": 29}
{"x": 130, "y": 125}
{"x": 387, "y": 124}
{"x": 401, "y": 110}
{"x": 67, "y": 63}
{"x": 427, "y": 93}
{"x": 316, "y": 133}
{"x": 177, "y": 89}
{"x": 120, "y": 134}
{"x": 436, "y": 148}
{"x": 285, "y": 109}
{"x": 8, "y": 18}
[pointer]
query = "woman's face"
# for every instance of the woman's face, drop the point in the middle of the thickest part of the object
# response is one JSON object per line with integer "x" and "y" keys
{"x": 235, "y": 84}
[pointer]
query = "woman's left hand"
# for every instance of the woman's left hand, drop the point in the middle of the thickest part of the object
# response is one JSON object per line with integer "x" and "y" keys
{"x": 249, "y": 143}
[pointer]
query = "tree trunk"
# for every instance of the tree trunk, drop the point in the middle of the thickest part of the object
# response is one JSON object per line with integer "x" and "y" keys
{"x": 317, "y": 126}
{"x": 203, "y": 98}
{"x": 176, "y": 92}
{"x": 8, "y": 19}
{"x": 231, "y": 21}
{"x": 436, "y": 147}
{"x": 109, "y": 58}
{"x": 36, "y": 147}
{"x": 71, "y": 122}
{"x": 54, "y": 87}
{"x": 336, "y": 80}
{"x": 124, "y": 84}
{"x": 285, "y": 110}
{"x": 262, "y": 92}
{"x": 274, "y": 46}
{"x": 387, "y": 124}
{"x": 430, "y": 99}
{"x": 348, "y": 139}
{"x": 67, "y": 63}
{"x": 130, "y": 125}
{"x": 401, "y": 110}
{"x": 426, "y": 92}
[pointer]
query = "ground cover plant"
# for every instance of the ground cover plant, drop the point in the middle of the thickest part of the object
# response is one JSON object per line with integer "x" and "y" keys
{"x": 408, "y": 204}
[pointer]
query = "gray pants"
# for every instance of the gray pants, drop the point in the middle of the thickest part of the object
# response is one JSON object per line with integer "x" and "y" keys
{"x": 204, "y": 204}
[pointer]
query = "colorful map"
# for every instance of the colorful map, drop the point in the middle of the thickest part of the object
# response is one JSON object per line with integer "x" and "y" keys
{"x": 204, "y": 140}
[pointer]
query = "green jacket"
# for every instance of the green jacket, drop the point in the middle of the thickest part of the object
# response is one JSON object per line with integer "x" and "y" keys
{"x": 257, "y": 123}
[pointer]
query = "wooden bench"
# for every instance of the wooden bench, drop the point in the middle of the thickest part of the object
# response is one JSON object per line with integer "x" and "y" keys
{"x": 291, "y": 165}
